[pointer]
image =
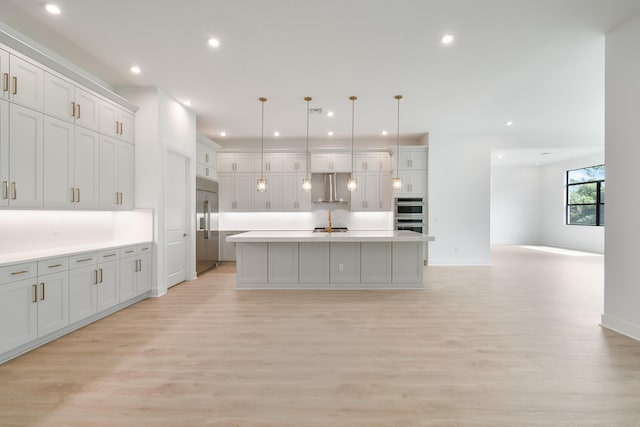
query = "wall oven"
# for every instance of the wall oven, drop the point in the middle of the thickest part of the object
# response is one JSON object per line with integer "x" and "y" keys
{"x": 409, "y": 214}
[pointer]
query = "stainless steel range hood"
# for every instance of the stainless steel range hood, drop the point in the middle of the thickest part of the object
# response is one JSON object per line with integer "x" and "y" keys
{"x": 329, "y": 188}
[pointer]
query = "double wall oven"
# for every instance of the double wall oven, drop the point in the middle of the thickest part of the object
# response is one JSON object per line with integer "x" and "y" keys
{"x": 409, "y": 214}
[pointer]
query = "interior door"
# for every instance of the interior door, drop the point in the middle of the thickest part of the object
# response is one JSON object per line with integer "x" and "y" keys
{"x": 176, "y": 218}
{"x": 213, "y": 250}
{"x": 201, "y": 230}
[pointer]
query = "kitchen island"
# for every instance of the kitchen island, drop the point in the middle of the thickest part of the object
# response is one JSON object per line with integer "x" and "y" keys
{"x": 346, "y": 260}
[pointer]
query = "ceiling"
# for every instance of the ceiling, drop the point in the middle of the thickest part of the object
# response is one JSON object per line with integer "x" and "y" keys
{"x": 537, "y": 63}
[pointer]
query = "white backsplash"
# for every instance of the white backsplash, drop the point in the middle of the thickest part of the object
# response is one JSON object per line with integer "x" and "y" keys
{"x": 245, "y": 221}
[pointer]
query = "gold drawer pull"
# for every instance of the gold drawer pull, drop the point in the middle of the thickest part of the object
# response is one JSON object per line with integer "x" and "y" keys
{"x": 73, "y": 109}
{"x": 106, "y": 256}
{"x": 55, "y": 265}
{"x": 15, "y": 190}
{"x": 19, "y": 272}
{"x": 15, "y": 85}
{"x": 78, "y": 110}
{"x": 129, "y": 252}
{"x": 6, "y": 82}
{"x": 42, "y": 285}
{"x": 73, "y": 196}
{"x": 84, "y": 260}
{"x": 35, "y": 293}
{"x": 5, "y": 192}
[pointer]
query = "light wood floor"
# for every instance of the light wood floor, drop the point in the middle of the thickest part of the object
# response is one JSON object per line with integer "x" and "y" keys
{"x": 515, "y": 344}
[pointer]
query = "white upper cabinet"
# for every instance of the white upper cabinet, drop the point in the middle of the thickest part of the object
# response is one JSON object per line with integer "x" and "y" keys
{"x": 59, "y": 159}
{"x": 294, "y": 163}
{"x": 412, "y": 160}
{"x": 372, "y": 162}
{"x": 87, "y": 110}
{"x": 87, "y": 169}
{"x": 26, "y": 83}
{"x": 4, "y": 152}
{"x": 4, "y": 73}
{"x": 236, "y": 162}
{"x": 125, "y": 172}
{"x": 25, "y": 157}
{"x": 59, "y": 98}
{"x": 331, "y": 162}
{"x": 116, "y": 122}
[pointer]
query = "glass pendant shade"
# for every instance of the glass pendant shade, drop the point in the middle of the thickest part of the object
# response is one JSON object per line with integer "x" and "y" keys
{"x": 261, "y": 185}
{"x": 397, "y": 183}
{"x": 306, "y": 184}
{"x": 352, "y": 184}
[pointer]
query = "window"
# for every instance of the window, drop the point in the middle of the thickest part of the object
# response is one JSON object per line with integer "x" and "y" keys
{"x": 585, "y": 196}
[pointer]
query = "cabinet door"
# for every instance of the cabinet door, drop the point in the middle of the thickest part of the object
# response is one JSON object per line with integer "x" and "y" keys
{"x": 273, "y": 163}
{"x": 108, "y": 291}
{"x": 25, "y": 157}
{"x": 360, "y": 163}
{"x": 126, "y": 126}
{"x": 244, "y": 191}
{"x": 53, "y": 302}
{"x": 282, "y": 263}
{"x": 313, "y": 261}
{"x": 143, "y": 279}
{"x": 384, "y": 160}
{"x": 386, "y": 191}
{"x": 372, "y": 191}
{"x": 294, "y": 163}
{"x": 358, "y": 197}
{"x": 226, "y": 163}
{"x": 413, "y": 160}
{"x": 83, "y": 293}
{"x": 87, "y": 110}
{"x": 4, "y": 74}
{"x": 244, "y": 162}
{"x": 18, "y": 313}
{"x": 4, "y": 152}
{"x": 126, "y": 175}
{"x": 345, "y": 262}
{"x": 27, "y": 83}
{"x": 87, "y": 173}
{"x": 109, "y": 124}
{"x": 304, "y": 197}
{"x": 290, "y": 191}
{"x": 59, "y": 98}
{"x": 341, "y": 163}
{"x": 226, "y": 191}
{"x": 321, "y": 163}
{"x": 128, "y": 275}
{"x": 227, "y": 249}
{"x": 274, "y": 192}
{"x": 108, "y": 173}
{"x": 59, "y": 163}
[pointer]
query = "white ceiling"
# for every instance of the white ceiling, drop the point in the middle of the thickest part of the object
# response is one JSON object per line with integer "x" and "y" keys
{"x": 538, "y": 63}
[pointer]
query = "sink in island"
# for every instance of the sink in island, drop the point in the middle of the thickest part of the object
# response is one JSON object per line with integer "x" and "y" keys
{"x": 317, "y": 260}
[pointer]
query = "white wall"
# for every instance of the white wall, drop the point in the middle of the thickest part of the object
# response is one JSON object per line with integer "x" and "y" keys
{"x": 555, "y": 232}
{"x": 622, "y": 150}
{"x": 459, "y": 178}
{"x": 516, "y": 208}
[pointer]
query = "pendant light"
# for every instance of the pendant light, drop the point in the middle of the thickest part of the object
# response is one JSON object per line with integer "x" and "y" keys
{"x": 352, "y": 183}
{"x": 306, "y": 181}
{"x": 262, "y": 182}
{"x": 397, "y": 181}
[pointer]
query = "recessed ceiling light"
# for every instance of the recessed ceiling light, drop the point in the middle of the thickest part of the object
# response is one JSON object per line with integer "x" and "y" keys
{"x": 499, "y": 156}
{"x": 276, "y": 133}
{"x": 447, "y": 39}
{"x": 213, "y": 42}
{"x": 509, "y": 123}
{"x": 187, "y": 103}
{"x": 384, "y": 132}
{"x": 135, "y": 69}
{"x": 330, "y": 114}
{"x": 223, "y": 133}
{"x": 330, "y": 133}
{"x": 53, "y": 9}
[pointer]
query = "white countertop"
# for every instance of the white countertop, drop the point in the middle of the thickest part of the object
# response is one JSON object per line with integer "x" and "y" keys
{"x": 38, "y": 254}
{"x": 309, "y": 236}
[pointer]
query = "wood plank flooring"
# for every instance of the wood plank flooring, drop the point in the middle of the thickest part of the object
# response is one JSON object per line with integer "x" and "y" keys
{"x": 514, "y": 344}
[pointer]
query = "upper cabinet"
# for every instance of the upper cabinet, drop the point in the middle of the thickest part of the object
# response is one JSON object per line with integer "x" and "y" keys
{"x": 116, "y": 122}
{"x": 331, "y": 162}
{"x": 65, "y": 101}
{"x": 207, "y": 158}
{"x": 412, "y": 169}
{"x": 372, "y": 162}
{"x": 52, "y": 153}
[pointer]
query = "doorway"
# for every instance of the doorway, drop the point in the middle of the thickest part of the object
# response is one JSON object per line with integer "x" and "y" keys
{"x": 176, "y": 224}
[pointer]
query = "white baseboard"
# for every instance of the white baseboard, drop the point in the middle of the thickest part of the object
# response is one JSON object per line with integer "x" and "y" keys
{"x": 621, "y": 326}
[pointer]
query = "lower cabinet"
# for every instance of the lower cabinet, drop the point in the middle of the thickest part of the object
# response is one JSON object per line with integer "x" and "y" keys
{"x": 135, "y": 271}
{"x": 314, "y": 262}
{"x": 345, "y": 262}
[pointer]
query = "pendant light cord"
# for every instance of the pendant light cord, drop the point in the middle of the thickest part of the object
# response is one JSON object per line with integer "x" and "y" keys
{"x": 353, "y": 109}
{"x": 398, "y": 97}
{"x": 308, "y": 156}
{"x": 262, "y": 100}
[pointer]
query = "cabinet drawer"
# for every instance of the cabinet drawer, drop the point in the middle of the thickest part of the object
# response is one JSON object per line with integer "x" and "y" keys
{"x": 25, "y": 270}
{"x": 77, "y": 261}
{"x": 128, "y": 251}
{"x": 145, "y": 248}
{"x": 109, "y": 255}
{"x": 53, "y": 265}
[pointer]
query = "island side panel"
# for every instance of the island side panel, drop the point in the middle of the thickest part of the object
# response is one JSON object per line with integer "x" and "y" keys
{"x": 313, "y": 262}
{"x": 283, "y": 263}
{"x": 251, "y": 263}
{"x": 407, "y": 263}
{"x": 375, "y": 262}
{"x": 345, "y": 262}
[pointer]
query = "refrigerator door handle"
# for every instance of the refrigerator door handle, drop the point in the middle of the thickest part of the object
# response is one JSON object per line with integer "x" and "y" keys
{"x": 206, "y": 219}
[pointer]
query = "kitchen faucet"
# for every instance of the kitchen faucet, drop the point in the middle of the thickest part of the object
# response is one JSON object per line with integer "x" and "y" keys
{"x": 329, "y": 228}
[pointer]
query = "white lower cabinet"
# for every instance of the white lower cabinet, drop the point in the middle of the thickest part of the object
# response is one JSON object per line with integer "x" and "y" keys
{"x": 94, "y": 286}
{"x": 227, "y": 249}
{"x": 108, "y": 290}
{"x": 32, "y": 308}
{"x": 314, "y": 262}
{"x": 345, "y": 262}
{"x": 251, "y": 266}
{"x": 375, "y": 262}
{"x": 407, "y": 260}
{"x": 283, "y": 263}
{"x": 135, "y": 271}
{"x": 83, "y": 293}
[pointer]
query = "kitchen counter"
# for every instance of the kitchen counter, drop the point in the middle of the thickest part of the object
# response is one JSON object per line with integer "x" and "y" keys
{"x": 346, "y": 236}
{"x": 338, "y": 260}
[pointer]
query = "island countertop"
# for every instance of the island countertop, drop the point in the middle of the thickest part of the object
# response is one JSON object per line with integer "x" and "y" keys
{"x": 345, "y": 236}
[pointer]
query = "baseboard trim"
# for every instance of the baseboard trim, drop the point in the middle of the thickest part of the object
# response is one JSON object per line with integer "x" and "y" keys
{"x": 620, "y": 326}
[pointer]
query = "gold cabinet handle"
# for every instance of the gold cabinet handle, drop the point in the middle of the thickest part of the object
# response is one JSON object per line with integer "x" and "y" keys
{"x": 78, "y": 195}
{"x": 95, "y": 281}
{"x": 85, "y": 260}
{"x": 73, "y": 196}
{"x": 206, "y": 158}
{"x": 55, "y": 265}
{"x": 15, "y": 85}
{"x": 19, "y": 272}
{"x": 5, "y": 190}
{"x": 100, "y": 275}
{"x": 117, "y": 126}
{"x": 42, "y": 286}
{"x": 73, "y": 109}
{"x": 5, "y": 86}
{"x": 15, "y": 190}
{"x": 108, "y": 255}
{"x": 35, "y": 293}
{"x": 78, "y": 110}
{"x": 121, "y": 127}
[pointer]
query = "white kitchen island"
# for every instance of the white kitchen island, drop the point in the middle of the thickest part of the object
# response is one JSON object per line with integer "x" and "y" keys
{"x": 345, "y": 260}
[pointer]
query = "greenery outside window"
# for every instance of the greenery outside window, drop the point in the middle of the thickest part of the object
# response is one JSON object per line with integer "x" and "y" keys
{"x": 585, "y": 196}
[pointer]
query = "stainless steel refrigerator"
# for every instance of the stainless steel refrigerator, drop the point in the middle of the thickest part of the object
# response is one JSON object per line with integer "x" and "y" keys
{"x": 207, "y": 234}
